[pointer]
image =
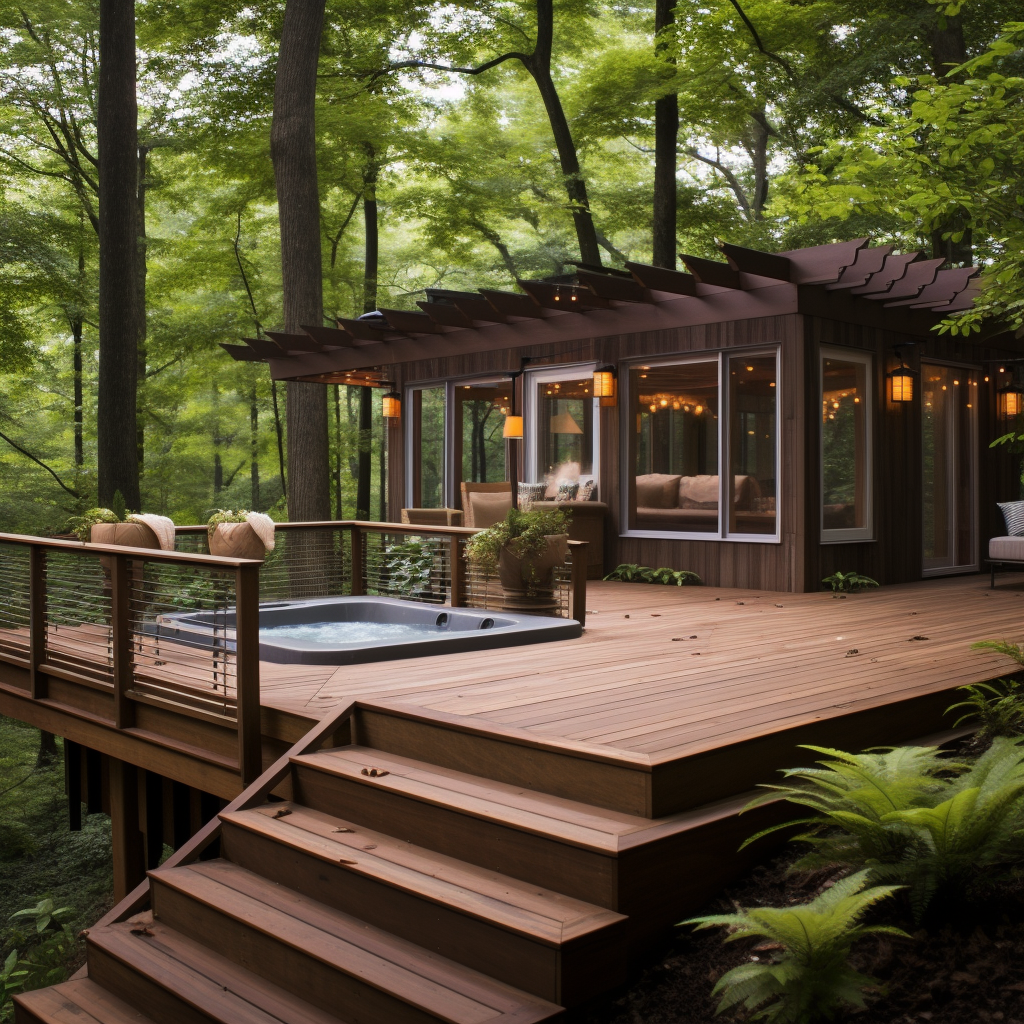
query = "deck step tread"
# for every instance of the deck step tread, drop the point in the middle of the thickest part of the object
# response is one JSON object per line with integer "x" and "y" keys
{"x": 80, "y": 1002}
{"x": 568, "y": 820}
{"x": 374, "y": 957}
{"x": 540, "y": 914}
{"x": 203, "y": 978}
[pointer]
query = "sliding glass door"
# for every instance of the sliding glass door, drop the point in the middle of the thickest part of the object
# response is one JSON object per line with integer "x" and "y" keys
{"x": 949, "y": 400}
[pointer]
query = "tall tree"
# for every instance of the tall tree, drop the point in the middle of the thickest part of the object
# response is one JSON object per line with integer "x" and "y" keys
{"x": 666, "y": 138}
{"x": 293, "y": 151}
{"x": 117, "y": 134}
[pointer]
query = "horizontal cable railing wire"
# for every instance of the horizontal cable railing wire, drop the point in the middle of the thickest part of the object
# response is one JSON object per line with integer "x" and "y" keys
{"x": 14, "y": 608}
{"x": 410, "y": 566}
{"x": 78, "y": 614}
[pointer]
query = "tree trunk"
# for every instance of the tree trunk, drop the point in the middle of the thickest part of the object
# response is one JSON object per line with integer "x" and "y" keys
{"x": 254, "y": 450}
{"x": 279, "y": 431}
{"x": 338, "y": 507}
{"x": 117, "y": 132}
{"x": 47, "y": 752}
{"x": 140, "y": 295}
{"x": 77, "y": 324}
{"x": 371, "y": 233}
{"x": 365, "y": 455}
{"x": 293, "y": 151}
{"x": 539, "y": 66}
{"x": 666, "y": 132}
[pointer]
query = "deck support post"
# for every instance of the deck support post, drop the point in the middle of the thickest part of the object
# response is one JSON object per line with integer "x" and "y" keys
{"x": 458, "y": 572}
{"x": 578, "y": 581}
{"x": 357, "y": 589}
{"x": 247, "y": 672}
{"x": 126, "y": 833}
{"x": 36, "y": 620}
{"x": 121, "y": 641}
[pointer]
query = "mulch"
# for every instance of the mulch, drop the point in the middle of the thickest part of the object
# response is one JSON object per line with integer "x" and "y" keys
{"x": 962, "y": 973}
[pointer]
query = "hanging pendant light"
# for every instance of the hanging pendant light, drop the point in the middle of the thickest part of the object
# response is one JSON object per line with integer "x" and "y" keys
{"x": 604, "y": 385}
{"x": 901, "y": 381}
{"x": 391, "y": 405}
{"x": 1011, "y": 400}
{"x": 513, "y": 428}
{"x": 563, "y": 423}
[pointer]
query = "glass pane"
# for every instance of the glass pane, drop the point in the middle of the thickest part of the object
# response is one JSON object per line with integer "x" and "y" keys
{"x": 428, "y": 448}
{"x": 675, "y": 447}
{"x": 844, "y": 453}
{"x": 752, "y": 429}
{"x": 479, "y": 421}
{"x": 565, "y": 431}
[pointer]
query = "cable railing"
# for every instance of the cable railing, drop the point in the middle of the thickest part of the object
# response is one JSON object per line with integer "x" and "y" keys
{"x": 110, "y": 631}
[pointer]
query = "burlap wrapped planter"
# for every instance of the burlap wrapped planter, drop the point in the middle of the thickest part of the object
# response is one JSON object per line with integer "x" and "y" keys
{"x": 527, "y": 583}
{"x": 237, "y": 540}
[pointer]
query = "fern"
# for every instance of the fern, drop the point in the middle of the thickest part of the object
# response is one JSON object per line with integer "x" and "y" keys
{"x": 808, "y": 976}
{"x": 911, "y": 817}
{"x": 631, "y": 572}
{"x": 997, "y": 708}
{"x": 849, "y": 582}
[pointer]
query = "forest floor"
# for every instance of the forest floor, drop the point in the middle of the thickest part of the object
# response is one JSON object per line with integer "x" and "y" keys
{"x": 968, "y": 973}
{"x": 40, "y": 857}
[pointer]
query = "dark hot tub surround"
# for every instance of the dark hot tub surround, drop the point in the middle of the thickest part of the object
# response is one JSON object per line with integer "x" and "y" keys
{"x": 350, "y": 630}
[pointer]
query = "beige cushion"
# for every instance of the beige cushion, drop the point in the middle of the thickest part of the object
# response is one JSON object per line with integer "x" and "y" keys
{"x": 657, "y": 490}
{"x": 1009, "y": 548}
{"x": 489, "y": 507}
{"x": 237, "y": 540}
{"x": 698, "y": 491}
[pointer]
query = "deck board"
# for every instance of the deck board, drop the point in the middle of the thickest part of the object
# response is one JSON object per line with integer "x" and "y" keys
{"x": 755, "y": 667}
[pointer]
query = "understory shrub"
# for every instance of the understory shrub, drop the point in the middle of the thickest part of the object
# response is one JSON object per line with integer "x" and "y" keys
{"x": 46, "y": 941}
{"x": 848, "y": 582}
{"x": 911, "y": 817}
{"x": 996, "y": 708}
{"x": 630, "y": 572}
{"x": 807, "y": 976}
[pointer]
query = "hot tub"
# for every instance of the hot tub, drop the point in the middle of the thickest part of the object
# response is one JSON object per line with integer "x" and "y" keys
{"x": 349, "y": 630}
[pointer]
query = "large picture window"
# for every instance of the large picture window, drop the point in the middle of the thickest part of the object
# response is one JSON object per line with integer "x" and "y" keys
{"x": 479, "y": 419}
{"x": 683, "y": 416}
{"x": 563, "y": 427}
{"x": 845, "y": 445}
{"x": 427, "y": 465}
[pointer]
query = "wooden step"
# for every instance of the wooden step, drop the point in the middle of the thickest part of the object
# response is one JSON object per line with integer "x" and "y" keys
{"x": 542, "y": 942}
{"x": 177, "y": 980}
{"x": 653, "y": 870}
{"x": 619, "y": 780}
{"x": 327, "y": 957}
{"x": 75, "y": 1002}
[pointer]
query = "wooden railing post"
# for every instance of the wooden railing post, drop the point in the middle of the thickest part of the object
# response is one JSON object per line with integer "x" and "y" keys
{"x": 36, "y": 619}
{"x": 578, "y": 582}
{"x": 121, "y": 640}
{"x": 358, "y": 588}
{"x": 247, "y": 672}
{"x": 458, "y": 572}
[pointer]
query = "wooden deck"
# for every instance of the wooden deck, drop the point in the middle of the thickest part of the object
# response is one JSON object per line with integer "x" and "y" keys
{"x": 664, "y": 673}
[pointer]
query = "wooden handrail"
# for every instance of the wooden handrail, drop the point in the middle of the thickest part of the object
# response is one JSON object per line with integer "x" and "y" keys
{"x": 149, "y": 554}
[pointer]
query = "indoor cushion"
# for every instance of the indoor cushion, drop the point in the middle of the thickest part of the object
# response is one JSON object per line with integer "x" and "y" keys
{"x": 1013, "y": 515}
{"x": 699, "y": 491}
{"x": 529, "y": 493}
{"x": 1010, "y": 548}
{"x": 657, "y": 490}
{"x": 567, "y": 492}
{"x": 489, "y": 507}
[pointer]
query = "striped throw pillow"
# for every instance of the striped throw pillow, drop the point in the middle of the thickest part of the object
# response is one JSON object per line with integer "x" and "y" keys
{"x": 1013, "y": 516}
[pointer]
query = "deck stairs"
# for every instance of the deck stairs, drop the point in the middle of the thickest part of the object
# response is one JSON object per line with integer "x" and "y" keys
{"x": 384, "y": 888}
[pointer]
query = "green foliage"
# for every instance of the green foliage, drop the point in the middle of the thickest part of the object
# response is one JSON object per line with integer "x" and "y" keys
{"x": 43, "y": 915}
{"x": 408, "y": 567}
{"x": 997, "y": 708}
{"x": 912, "y": 817}
{"x": 848, "y": 582}
{"x": 45, "y": 950}
{"x": 630, "y": 572}
{"x": 81, "y": 525}
{"x": 807, "y": 977}
{"x": 224, "y": 515}
{"x": 524, "y": 531}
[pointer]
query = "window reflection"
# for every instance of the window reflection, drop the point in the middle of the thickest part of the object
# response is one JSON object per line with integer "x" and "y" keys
{"x": 479, "y": 418}
{"x": 752, "y": 430}
{"x": 428, "y": 406}
{"x": 844, "y": 447}
{"x": 565, "y": 431}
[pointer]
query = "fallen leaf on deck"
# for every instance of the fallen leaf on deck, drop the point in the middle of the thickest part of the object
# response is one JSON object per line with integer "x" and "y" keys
{"x": 851, "y": 652}
{"x": 375, "y": 773}
{"x": 918, "y": 638}
{"x": 141, "y": 930}
{"x": 343, "y": 830}
{"x": 281, "y": 812}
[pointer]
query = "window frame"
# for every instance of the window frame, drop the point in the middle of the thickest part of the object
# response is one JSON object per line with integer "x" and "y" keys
{"x": 551, "y": 373}
{"x": 627, "y": 451}
{"x": 858, "y": 534}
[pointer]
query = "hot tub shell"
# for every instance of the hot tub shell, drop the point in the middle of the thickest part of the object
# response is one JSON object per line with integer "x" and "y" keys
{"x": 461, "y": 629}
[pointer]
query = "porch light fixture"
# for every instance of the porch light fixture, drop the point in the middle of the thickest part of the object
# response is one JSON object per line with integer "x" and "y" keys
{"x": 1011, "y": 400}
{"x": 391, "y": 405}
{"x": 901, "y": 381}
{"x": 604, "y": 385}
{"x": 513, "y": 429}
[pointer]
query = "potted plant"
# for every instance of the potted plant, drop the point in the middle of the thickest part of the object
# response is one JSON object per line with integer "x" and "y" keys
{"x": 524, "y": 549}
{"x": 240, "y": 534}
{"x": 127, "y": 529}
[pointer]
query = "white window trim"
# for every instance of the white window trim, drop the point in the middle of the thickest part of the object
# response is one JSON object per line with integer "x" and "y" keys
{"x": 864, "y": 533}
{"x": 544, "y": 375}
{"x": 722, "y": 534}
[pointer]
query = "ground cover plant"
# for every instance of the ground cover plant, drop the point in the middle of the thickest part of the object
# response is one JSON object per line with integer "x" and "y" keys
{"x": 53, "y": 882}
{"x": 848, "y": 582}
{"x": 630, "y": 572}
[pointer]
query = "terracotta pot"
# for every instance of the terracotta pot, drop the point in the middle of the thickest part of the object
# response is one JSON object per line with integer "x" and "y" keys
{"x": 237, "y": 540}
{"x": 128, "y": 535}
{"x": 527, "y": 582}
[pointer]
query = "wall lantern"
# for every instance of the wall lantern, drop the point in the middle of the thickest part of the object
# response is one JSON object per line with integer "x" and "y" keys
{"x": 1011, "y": 400}
{"x": 513, "y": 429}
{"x": 391, "y": 405}
{"x": 901, "y": 381}
{"x": 604, "y": 385}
